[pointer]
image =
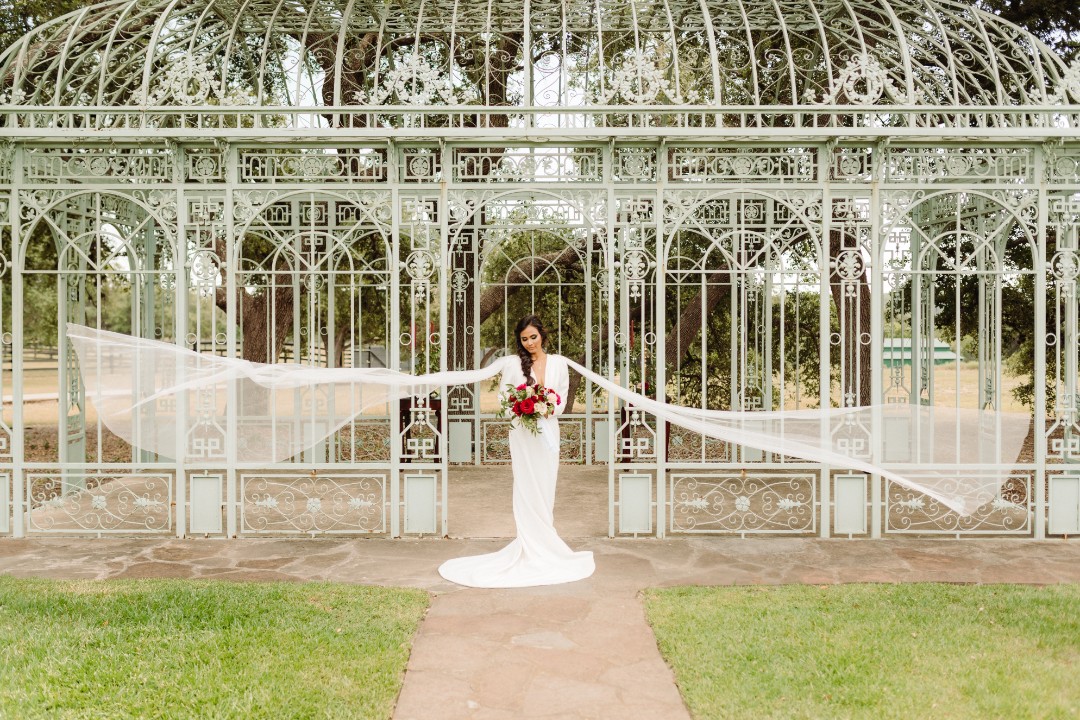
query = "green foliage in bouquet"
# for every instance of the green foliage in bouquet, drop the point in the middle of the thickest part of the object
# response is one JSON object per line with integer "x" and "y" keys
{"x": 526, "y": 404}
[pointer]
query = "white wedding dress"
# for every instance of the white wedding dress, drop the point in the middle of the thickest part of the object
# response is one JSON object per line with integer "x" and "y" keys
{"x": 537, "y": 556}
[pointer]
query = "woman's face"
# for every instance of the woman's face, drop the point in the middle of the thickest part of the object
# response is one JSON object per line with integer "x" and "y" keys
{"x": 531, "y": 340}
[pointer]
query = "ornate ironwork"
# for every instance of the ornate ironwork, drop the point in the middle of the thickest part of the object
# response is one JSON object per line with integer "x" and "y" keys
{"x": 734, "y": 205}
{"x": 721, "y": 503}
{"x": 314, "y": 503}
{"x": 98, "y": 502}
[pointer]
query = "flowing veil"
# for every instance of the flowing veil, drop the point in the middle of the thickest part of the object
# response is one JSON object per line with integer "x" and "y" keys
{"x": 184, "y": 405}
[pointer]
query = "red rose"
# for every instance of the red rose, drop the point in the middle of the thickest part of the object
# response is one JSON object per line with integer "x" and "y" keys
{"x": 528, "y": 405}
{"x": 517, "y": 408}
{"x": 521, "y": 386}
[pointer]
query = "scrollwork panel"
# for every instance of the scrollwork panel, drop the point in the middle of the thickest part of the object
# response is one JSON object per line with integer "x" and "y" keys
{"x": 759, "y": 502}
{"x": 315, "y": 503}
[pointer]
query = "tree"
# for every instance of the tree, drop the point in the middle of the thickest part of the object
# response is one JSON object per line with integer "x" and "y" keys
{"x": 1055, "y": 22}
{"x": 19, "y": 18}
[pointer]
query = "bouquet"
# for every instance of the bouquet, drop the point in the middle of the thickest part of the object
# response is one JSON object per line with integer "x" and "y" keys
{"x": 526, "y": 404}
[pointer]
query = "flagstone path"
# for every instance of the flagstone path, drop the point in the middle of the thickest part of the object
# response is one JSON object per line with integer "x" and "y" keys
{"x": 581, "y": 650}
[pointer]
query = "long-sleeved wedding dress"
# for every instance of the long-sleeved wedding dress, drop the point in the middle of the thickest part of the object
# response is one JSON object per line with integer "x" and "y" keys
{"x": 537, "y": 556}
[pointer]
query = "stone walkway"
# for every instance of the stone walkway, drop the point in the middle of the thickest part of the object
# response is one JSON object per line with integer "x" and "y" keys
{"x": 581, "y": 650}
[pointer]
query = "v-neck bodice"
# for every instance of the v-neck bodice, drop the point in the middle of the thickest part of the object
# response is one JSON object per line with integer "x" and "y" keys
{"x": 533, "y": 371}
{"x": 556, "y": 375}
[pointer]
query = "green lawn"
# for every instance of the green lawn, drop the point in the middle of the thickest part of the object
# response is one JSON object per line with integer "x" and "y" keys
{"x": 192, "y": 649}
{"x": 873, "y": 651}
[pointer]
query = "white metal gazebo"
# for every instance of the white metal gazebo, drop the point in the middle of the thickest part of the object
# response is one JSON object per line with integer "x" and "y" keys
{"x": 733, "y": 204}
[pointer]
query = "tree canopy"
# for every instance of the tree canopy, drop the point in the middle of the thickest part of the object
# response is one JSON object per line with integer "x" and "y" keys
{"x": 1055, "y": 22}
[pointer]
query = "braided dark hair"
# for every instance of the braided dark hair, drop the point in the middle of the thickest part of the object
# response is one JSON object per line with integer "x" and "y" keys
{"x": 526, "y": 357}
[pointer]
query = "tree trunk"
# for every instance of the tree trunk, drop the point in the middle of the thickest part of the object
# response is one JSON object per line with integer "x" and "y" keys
{"x": 256, "y": 343}
{"x": 691, "y": 321}
{"x": 259, "y": 345}
{"x": 340, "y": 336}
{"x": 575, "y": 383}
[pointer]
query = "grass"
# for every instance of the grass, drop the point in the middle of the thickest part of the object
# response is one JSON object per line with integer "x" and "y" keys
{"x": 194, "y": 649}
{"x": 873, "y": 651}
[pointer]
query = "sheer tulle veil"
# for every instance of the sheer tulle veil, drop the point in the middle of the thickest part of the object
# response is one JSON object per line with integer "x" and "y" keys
{"x": 202, "y": 408}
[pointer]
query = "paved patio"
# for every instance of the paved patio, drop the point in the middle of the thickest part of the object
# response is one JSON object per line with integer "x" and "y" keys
{"x": 581, "y": 650}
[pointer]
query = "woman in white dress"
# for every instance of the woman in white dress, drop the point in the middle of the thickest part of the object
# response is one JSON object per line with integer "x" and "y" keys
{"x": 537, "y": 556}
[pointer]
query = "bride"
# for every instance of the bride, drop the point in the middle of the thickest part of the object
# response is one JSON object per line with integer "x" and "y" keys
{"x": 537, "y": 556}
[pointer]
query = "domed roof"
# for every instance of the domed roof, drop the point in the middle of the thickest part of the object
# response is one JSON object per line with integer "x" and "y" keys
{"x": 730, "y": 53}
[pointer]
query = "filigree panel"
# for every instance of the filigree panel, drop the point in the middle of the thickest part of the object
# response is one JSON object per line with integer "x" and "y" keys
{"x": 32, "y": 203}
{"x": 192, "y": 81}
{"x": 564, "y": 208}
{"x": 550, "y": 164}
{"x": 206, "y": 232}
{"x": 853, "y": 164}
{"x": 1005, "y": 509}
{"x": 635, "y": 438}
{"x": 414, "y": 79}
{"x": 248, "y": 204}
{"x": 684, "y": 446}
{"x": 143, "y": 166}
{"x": 1063, "y": 351}
{"x": 1069, "y": 87}
{"x": 77, "y": 501}
{"x": 770, "y": 503}
{"x": 7, "y": 158}
{"x": 420, "y": 432}
{"x": 1063, "y": 165}
{"x": 639, "y": 77}
{"x": 780, "y": 214}
{"x": 204, "y": 165}
{"x": 983, "y": 164}
{"x": 335, "y": 502}
{"x": 696, "y": 164}
{"x": 634, "y": 164}
{"x": 864, "y": 80}
{"x": 320, "y": 165}
{"x": 420, "y": 165}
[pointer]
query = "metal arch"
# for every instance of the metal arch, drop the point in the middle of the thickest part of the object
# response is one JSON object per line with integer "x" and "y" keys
{"x": 929, "y": 198}
{"x": 676, "y": 222}
{"x": 559, "y": 195}
{"x": 83, "y": 45}
{"x": 63, "y": 198}
{"x": 382, "y": 225}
